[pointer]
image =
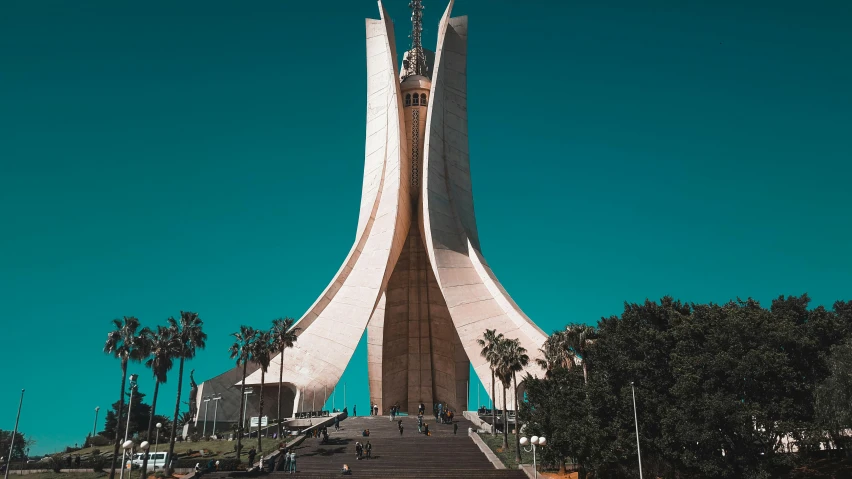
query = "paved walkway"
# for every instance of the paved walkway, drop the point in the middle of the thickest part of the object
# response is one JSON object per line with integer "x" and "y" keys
{"x": 442, "y": 455}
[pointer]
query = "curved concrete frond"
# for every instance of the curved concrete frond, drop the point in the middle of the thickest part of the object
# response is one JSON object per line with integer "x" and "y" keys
{"x": 332, "y": 327}
{"x": 475, "y": 298}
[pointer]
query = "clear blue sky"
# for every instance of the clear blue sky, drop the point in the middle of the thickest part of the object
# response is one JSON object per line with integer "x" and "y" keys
{"x": 158, "y": 156}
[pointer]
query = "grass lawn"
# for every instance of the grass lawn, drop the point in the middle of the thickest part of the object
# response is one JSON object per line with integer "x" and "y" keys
{"x": 507, "y": 456}
{"x": 215, "y": 449}
{"x": 64, "y": 475}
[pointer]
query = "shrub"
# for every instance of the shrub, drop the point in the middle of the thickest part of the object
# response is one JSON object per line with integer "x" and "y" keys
{"x": 97, "y": 463}
{"x": 97, "y": 441}
{"x": 55, "y": 463}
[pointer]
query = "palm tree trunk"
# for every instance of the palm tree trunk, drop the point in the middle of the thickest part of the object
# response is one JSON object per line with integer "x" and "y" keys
{"x": 118, "y": 421}
{"x": 585, "y": 374}
{"x": 240, "y": 413}
{"x": 517, "y": 422}
{"x": 505, "y": 420}
{"x": 260, "y": 414}
{"x": 280, "y": 380}
{"x": 177, "y": 411}
{"x": 151, "y": 424}
{"x": 493, "y": 404}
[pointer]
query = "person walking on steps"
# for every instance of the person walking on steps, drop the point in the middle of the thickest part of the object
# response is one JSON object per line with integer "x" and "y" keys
{"x": 369, "y": 448}
{"x": 252, "y": 452}
{"x": 455, "y": 427}
{"x": 292, "y": 462}
{"x": 399, "y": 424}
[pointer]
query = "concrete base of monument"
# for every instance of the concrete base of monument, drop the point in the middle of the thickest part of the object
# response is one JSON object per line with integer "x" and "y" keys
{"x": 447, "y": 452}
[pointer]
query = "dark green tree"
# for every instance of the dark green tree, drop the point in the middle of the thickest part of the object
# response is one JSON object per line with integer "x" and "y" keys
{"x": 139, "y": 414}
{"x": 190, "y": 337}
{"x": 489, "y": 342}
{"x": 261, "y": 352}
{"x": 833, "y": 397}
{"x": 123, "y": 343}
{"x": 164, "y": 348}
{"x": 558, "y": 409}
{"x": 284, "y": 334}
{"x": 241, "y": 351}
{"x": 20, "y": 448}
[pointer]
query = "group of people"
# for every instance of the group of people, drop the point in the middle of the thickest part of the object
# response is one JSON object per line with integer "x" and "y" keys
{"x": 443, "y": 414}
{"x": 286, "y": 462}
{"x": 374, "y": 410}
{"x": 394, "y": 410}
{"x": 363, "y": 451}
{"x": 422, "y": 427}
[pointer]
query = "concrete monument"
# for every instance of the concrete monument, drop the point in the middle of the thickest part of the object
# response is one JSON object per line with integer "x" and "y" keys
{"x": 415, "y": 278}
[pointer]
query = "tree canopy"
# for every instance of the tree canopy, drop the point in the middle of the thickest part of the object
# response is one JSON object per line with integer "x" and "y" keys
{"x": 722, "y": 390}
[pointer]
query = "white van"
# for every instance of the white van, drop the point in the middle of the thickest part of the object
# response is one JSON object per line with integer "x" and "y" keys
{"x": 156, "y": 460}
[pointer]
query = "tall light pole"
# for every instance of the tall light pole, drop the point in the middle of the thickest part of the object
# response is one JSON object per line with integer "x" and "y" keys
{"x": 128, "y": 445}
{"x": 535, "y": 441}
{"x": 206, "y": 407}
{"x": 215, "y": 412}
{"x": 157, "y": 445}
{"x": 127, "y": 427}
{"x": 95, "y": 427}
{"x": 144, "y": 447}
{"x": 245, "y": 406}
{"x": 12, "y": 447}
{"x": 636, "y": 422}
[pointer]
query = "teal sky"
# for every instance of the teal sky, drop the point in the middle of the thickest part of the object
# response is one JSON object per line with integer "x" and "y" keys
{"x": 158, "y": 156}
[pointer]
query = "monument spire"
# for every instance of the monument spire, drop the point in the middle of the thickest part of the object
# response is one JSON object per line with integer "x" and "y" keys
{"x": 416, "y": 57}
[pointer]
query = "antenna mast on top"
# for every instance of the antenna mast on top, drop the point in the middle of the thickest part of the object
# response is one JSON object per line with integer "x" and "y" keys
{"x": 416, "y": 57}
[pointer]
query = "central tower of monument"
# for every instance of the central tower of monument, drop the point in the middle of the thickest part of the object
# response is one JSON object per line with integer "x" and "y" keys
{"x": 415, "y": 278}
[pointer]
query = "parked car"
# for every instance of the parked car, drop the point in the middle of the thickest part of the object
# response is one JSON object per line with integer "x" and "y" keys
{"x": 156, "y": 460}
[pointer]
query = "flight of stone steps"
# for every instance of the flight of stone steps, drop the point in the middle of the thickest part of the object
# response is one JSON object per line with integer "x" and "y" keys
{"x": 412, "y": 455}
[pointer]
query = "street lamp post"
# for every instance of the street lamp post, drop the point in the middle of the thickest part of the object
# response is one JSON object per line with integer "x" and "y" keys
{"x": 12, "y": 446}
{"x": 534, "y": 441}
{"x": 206, "y": 407}
{"x": 245, "y": 406}
{"x": 215, "y": 412}
{"x": 127, "y": 446}
{"x": 144, "y": 448}
{"x": 127, "y": 427}
{"x": 95, "y": 426}
{"x": 636, "y": 422}
{"x": 157, "y": 444}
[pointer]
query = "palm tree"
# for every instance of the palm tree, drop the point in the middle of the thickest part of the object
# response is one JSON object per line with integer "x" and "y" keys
{"x": 189, "y": 337}
{"x": 241, "y": 351}
{"x": 489, "y": 342}
{"x": 164, "y": 348}
{"x": 261, "y": 352}
{"x": 504, "y": 373}
{"x": 513, "y": 360}
{"x": 283, "y": 337}
{"x": 578, "y": 337}
{"x": 555, "y": 353}
{"x": 124, "y": 344}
